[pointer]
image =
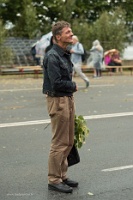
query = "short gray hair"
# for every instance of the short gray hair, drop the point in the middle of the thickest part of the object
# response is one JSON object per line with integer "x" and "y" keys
{"x": 58, "y": 26}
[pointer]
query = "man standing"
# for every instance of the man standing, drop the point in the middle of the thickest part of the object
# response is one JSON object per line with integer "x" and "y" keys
{"x": 76, "y": 58}
{"x": 59, "y": 89}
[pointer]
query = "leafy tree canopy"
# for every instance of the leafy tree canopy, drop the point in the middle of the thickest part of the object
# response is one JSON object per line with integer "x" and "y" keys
{"x": 48, "y": 11}
{"x": 88, "y": 18}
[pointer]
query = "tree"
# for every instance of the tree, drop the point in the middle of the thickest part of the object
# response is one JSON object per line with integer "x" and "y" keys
{"x": 126, "y": 5}
{"x": 6, "y": 54}
{"x": 36, "y": 15}
{"x": 48, "y": 11}
{"x": 110, "y": 30}
{"x": 9, "y": 10}
{"x": 81, "y": 30}
{"x": 28, "y": 25}
{"x": 2, "y": 33}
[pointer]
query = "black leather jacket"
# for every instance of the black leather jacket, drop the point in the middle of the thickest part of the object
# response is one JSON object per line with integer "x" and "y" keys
{"x": 58, "y": 73}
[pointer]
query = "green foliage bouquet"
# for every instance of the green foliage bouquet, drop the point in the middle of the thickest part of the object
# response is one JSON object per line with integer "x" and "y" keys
{"x": 81, "y": 131}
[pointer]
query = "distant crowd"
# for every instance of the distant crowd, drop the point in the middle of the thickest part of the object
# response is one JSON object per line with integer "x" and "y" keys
{"x": 96, "y": 58}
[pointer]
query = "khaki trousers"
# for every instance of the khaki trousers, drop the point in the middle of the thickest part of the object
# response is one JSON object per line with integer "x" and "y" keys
{"x": 61, "y": 111}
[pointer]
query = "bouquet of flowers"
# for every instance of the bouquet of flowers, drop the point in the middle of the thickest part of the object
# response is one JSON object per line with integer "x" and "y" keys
{"x": 81, "y": 131}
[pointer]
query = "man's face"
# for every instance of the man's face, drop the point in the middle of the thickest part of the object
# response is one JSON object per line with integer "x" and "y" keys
{"x": 66, "y": 36}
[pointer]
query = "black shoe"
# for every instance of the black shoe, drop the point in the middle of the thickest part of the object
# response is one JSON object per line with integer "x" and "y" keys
{"x": 70, "y": 183}
{"x": 87, "y": 84}
{"x": 60, "y": 187}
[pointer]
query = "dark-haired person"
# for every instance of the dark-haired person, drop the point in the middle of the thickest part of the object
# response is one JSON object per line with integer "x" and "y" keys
{"x": 59, "y": 88}
{"x": 50, "y": 45}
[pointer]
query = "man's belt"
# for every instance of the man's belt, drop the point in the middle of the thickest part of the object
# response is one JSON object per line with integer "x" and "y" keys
{"x": 53, "y": 94}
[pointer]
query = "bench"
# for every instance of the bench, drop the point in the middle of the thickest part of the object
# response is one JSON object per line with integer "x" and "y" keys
{"x": 85, "y": 68}
{"x": 36, "y": 70}
{"x": 108, "y": 69}
{"x": 119, "y": 69}
{"x": 21, "y": 70}
{"x": 32, "y": 69}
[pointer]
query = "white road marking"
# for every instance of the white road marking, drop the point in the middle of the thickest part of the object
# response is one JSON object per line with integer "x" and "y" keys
{"x": 23, "y": 89}
{"x": 117, "y": 168}
{"x": 129, "y": 94}
{"x": 107, "y": 85}
{"x": 47, "y": 121}
{"x": 109, "y": 115}
{"x": 36, "y": 122}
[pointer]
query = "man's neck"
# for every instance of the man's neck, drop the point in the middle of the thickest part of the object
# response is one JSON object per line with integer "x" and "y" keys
{"x": 63, "y": 45}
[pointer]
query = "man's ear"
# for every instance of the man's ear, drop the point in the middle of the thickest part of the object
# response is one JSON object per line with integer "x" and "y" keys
{"x": 58, "y": 37}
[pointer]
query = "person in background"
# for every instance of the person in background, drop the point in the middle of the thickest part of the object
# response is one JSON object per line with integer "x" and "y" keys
{"x": 97, "y": 58}
{"x": 33, "y": 53}
{"x": 50, "y": 45}
{"x": 112, "y": 58}
{"x": 107, "y": 57}
{"x": 58, "y": 88}
{"x": 76, "y": 51}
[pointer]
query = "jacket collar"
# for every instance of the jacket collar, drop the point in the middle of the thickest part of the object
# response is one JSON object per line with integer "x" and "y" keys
{"x": 60, "y": 50}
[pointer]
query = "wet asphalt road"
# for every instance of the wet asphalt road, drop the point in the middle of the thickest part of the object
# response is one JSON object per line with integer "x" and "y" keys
{"x": 24, "y": 148}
